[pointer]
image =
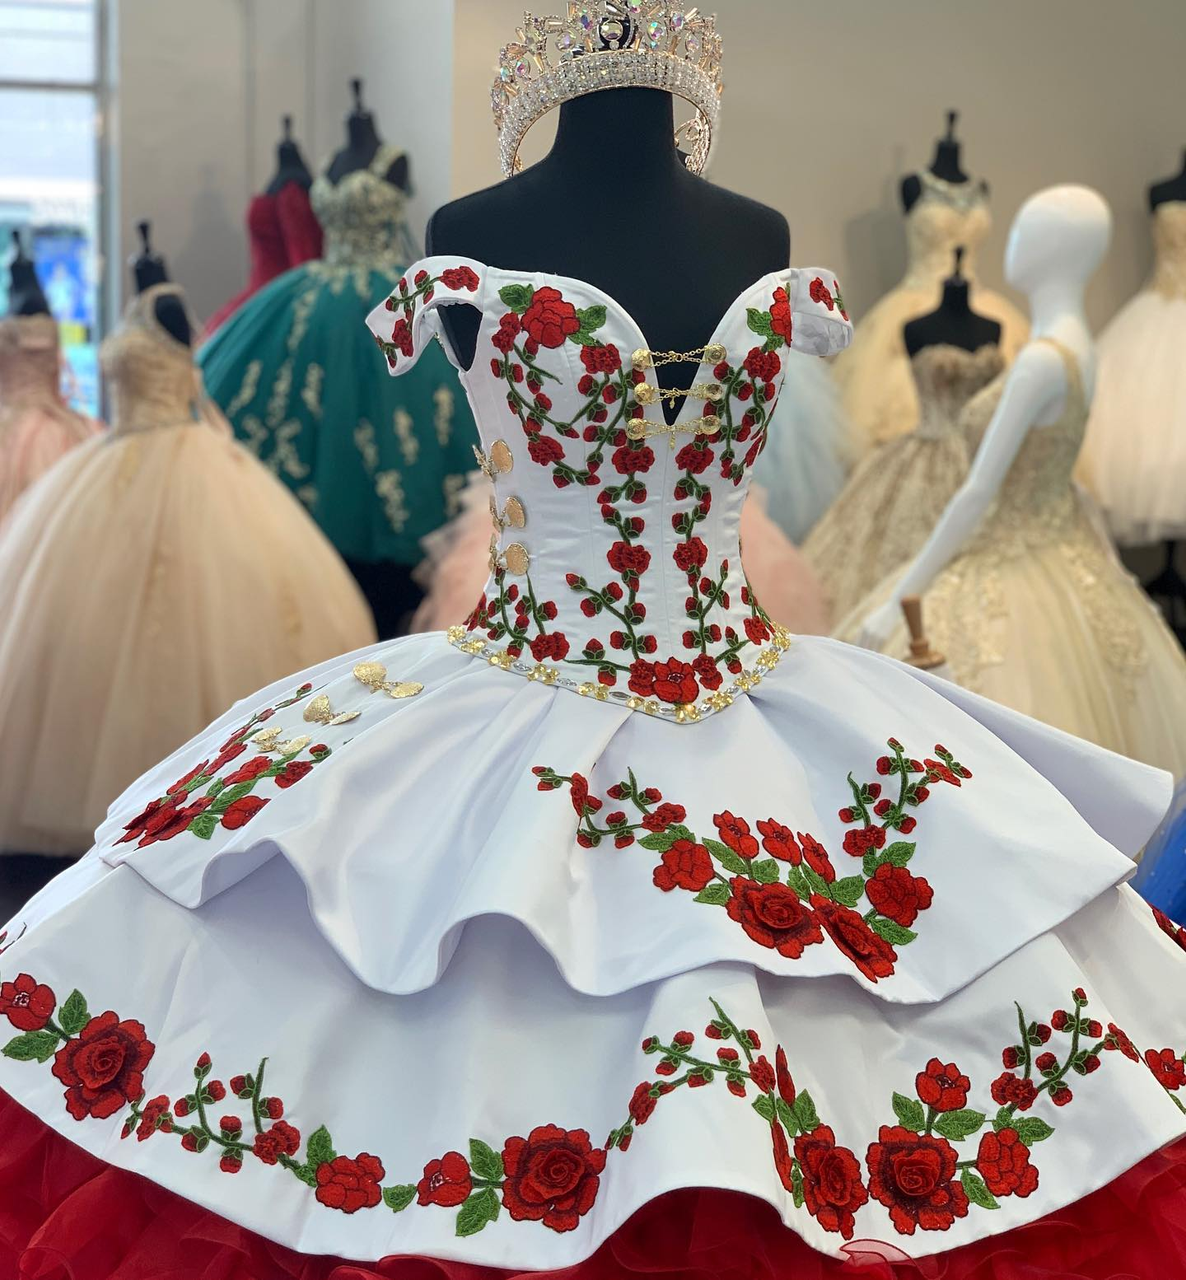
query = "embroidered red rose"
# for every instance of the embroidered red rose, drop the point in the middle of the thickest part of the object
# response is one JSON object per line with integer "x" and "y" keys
{"x": 913, "y": 1175}
{"x": 627, "y": 460}
{"x": 350, "y": 1185}
{"x": 642, "y": 1104}
{"x": 154, "y": 1116}
{"x": 1003, "y": 1161}
{"x": 694, "y": 458}
{"x": 280, "y": 1140}
{"x": 240, "y": 813}
{"x": 103, "y": 1068}
{"x": 685, "y": 866}
{"x": 762, "y": 1074}
{"x": 232, "y": 751}
{"x": 780, "y": 315}
{"x": 942, "y": 1087}
{"x": 782, "y": 1156}
{"x": 545, "y": 451}
{"x": 666, "y": 815}
{"x": 816, "y": 857}
{"x": 294, "y": 771}
{"x": 607, "y": 359}
{"x": 249, "y": 772}
{"x": 457, "y": 278}
{"x": 756, "y": 631}
{"x": 26, "y": 1003}
{"x": 773, "y": 916}
{"x": 670, "y": 681}
{"x": 1168, "y": 1068}
{"x": 401, "y": 336}
{"x": 582, "y": 801}
{"x": 552, "y": 647}
{"x": 182, "y": 783}
{"x": 550, "y": 320}
{"x": 819, "y": 293}
{"x": 871, "y": 954}
{"x": 863, "y": 840}
{"x": 691, "y": 555}
{"x": 1010, "y": 1090}
{"x": 707, "y": 672}
{"x": 552, "y": 1176}
{"x": 1169, "y": 928}
{"x": 628, "y": 560}
{"x": 779, "y": 842}
{"x": 898, "y": 895}
{"x": 763, "y": 366}
{"x": 833, "y": 1189}
{"x": 937, "y": 771}
{"x": 1116, "y": 1039}
{"x": 782, "y": 1073}
{"x": 447, "y": 1182}
{"x": 735, "y": 832}
{"x": 504, "y": 338}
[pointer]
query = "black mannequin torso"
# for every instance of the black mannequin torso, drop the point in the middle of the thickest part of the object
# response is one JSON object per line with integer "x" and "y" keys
{"x": 25, "y": 295}
{"x": 149, "y": 269}
{"x": 953, "y": 323}
{"x": 362, "y": 146}
{"x": 290, "y": 164}
{"x": 1170, "y": 189}
{"x": 671, "y": 248}
{"x": 946, "y": 166}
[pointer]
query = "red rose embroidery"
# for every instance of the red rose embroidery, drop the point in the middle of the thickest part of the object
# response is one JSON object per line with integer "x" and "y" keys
{"x": 782, "y": 1156}
{"x": 871, "y": 954}
{"x": 1168, "y": 1068}
{"x": 685, "y": 866}
{"x": 553, "y": 647}
{"x": 552, "y": 1176}
{"x": 550, "y": 320}
{"x": 545, "y": 451}
{"x": 669, "y": 681}
{"x": 779, "y": 842}
{"x": 242, "y": 811}
{"x": 627, "y": 560}
{"x": 898, "y": 895}
{"x": 605, "y": 359}
{"x": 735, "y": 833}
{"x": 446, "y": 1182}
{"x": 819, "y": 293}
{"x": 182, "y": 783}
{"x": 103, "y": 1068}
{"x": 1010, "y": 1090}
{"x": 642, "y": 1104}
{"x": 249, "y": 772}
{"x": 833, "y": 1189}
{"x": 401, "y": 336}
{"x": 666, "y": 815}
{"x": 27, "y": 1004}
{"x": 707, "y": 672}
{"x": 913, "y": 1174}
{"x": 691, "y": 555}
{"x": 294, "y": 771}
{"x": 762, "y": 1074}
{"x": 757, "y": 631}
{"x": 863, "y": 840}
{"x": 1116, "y": 1039}
{"x": 350, "y": 1185}
{"x": 1003, "y": 1161}
{"x": 816, "y": 857}
{"x": 582, "y": 801}
{"x": 280, "y": 1140}
{"x": 942, "y": 1087}
{"x": 695, "y": 459}
{"x": 457, "y": 278}
{"x": 780, "y": 315}
{"x": 154, "y": 1116}
{"x": 763, "y": 366}
{"x": 773, "y": 916}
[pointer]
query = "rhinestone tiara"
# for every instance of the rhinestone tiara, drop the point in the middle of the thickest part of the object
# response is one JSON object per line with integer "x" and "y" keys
{"x": 609, "y": 44}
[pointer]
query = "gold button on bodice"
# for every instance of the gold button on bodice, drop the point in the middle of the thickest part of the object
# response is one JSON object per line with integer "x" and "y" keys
{"x": 501, "y": 457}
{"x": 516, "y": 559}
{"x": 715, "y": 353}
{"x": 514, "y": 513}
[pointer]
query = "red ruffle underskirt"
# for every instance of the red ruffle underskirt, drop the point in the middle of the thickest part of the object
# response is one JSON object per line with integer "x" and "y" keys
{"x": 65, "y": 1215}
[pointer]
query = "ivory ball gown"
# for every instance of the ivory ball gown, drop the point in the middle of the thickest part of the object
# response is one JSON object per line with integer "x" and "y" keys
{"x": 876, "y": 388}
{"x": 36, "y": 425}
{"x": 152, "y": 576}
{"x": 1134, "y": 457}
{"x": 564, "y": 943}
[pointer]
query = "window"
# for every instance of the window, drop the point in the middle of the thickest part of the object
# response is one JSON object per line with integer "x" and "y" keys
{"x": 49, "y": 168}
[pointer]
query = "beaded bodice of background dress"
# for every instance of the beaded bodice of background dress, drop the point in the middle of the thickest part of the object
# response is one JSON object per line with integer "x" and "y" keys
{"x": 1169, "y": 240}
{"x": 363, "y": 216}
{"x": 947, "y": 378}
{"x": 30, "y": 365}
{"x": 152, "y": 379}
{"x": 946, "y": 216}
{"x": 615, "y": 561}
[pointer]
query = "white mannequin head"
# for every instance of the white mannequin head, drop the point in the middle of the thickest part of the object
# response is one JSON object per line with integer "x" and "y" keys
{"x": 1060, "y": 235}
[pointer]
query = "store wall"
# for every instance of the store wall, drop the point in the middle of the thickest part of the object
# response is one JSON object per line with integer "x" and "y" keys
{"x": 200, "y": 92}
{"x": 827, "y": 105}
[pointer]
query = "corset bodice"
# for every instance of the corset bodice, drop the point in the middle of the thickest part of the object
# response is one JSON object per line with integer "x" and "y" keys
{"x": 151, "y": 376}
{"x": 946, "y": 216}
{"x": 947, "y": 378}
{"x": 30, "y": 363}
{"x": 615, "y": 556}
{"x": 1169, "y": 240}
{"x": 363, "y": 215}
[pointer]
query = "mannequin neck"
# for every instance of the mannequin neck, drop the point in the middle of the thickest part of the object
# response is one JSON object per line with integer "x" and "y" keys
{"x": 361, "y": 132}
{"x": 946, "y": 164}
{"x": 636, "y": 123}
{"x": 1057, "y": 306}
{"x": 956, "y": 298}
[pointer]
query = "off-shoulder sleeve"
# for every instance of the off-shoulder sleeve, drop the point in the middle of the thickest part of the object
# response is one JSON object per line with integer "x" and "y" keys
{"x": 408, "y": 320}
{"x": 298, "y": 224}
{"x": 821, "y": 326}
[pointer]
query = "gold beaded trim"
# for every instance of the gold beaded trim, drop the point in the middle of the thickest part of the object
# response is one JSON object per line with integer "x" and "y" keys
{"x": 644, "y": 358}
{"x": 641, "y": 429}
{"x": 683, "y": 713}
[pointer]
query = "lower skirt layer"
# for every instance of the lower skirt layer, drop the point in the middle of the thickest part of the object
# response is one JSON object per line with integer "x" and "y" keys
{"x": 64, "y": 1215}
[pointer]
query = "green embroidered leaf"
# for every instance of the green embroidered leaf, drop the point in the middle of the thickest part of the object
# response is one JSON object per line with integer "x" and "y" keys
{"x": 816, "y": 882}
{"x": 764, "y": 1106}
{"x": 33, "y": 1046}
{"x": 320, "y": 1149}
{"x": 787, "y": 1116}
{"x": 978, "y": 1193}
{"x": 849, "y": 891}
{"x": 306, "y": 1173}
{"x": 592, "y": 318}
{"x": 204, "y": 825}
{"x": 806, "y": 1115}
{"x": 910, "y": 1113}
{"x": 797, "y": 882}
{"x": 893, "y": 933}
{"x": 1031, "y": 1130}
{"x": 899, "y": 853}
{"x": 797, "y": 1185}
{"x": 217, "y": 787}
{"x": 715, "y": 895}
{"x": 73, "y": 1015}
{"x": 517, "y": 297}
{"x": 583, "y": 338}
{"x": 658, "y": 841}
{"x": 397, "y": 1199}
{"x": 958, "y": 1125}
{"x": 870, "y": 863}
{"x": 485, "y": 1161}
{"x": 760, "y": 322}
{"x": 1003, "y": 1120}
{"x": 229, "y": 796}
{"x": 478, "y": 1212}
{"x": 765, "y": 872}
{"x": 727, "y": 858}
{"x": 681, "y": 833}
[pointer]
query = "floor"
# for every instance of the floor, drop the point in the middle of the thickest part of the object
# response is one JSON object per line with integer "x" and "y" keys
{"x": 21, "y": 876}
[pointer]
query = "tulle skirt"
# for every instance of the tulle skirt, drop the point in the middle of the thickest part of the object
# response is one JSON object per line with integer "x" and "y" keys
{"x": 31, "y": 441}
{"x": 147, "y": 580}
{"x": 1134, "y": 457}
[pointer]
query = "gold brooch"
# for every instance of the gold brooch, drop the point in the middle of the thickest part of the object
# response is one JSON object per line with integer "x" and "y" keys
{"x": 319, "y": 711}
{"x": 374, "y": 676}
{"x": 268, "y": 741}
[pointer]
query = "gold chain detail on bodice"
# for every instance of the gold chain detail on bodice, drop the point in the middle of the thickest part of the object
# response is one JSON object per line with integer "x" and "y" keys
{"x": 30, "y": 363}
{"x": 946, "y": 216}
{"x": 363, "y": 216}
{"x": 1169, "y": 240}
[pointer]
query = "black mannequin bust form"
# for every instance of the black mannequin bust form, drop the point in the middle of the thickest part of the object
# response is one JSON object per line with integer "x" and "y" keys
{"x": 1170, "y": 189}
{"x": 290, "y": 163}
{"x": 947, "y": 165}
{"x": 149, "y": 269}
{"x": 671, "y": 248}
{"x": 953, "y": 323}
{"x": 362, "y": 145}
{"x": 25, "y": 295}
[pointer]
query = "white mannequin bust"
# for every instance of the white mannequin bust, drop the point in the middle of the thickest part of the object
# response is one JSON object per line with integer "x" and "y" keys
{"x": 1057, "y": 241}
